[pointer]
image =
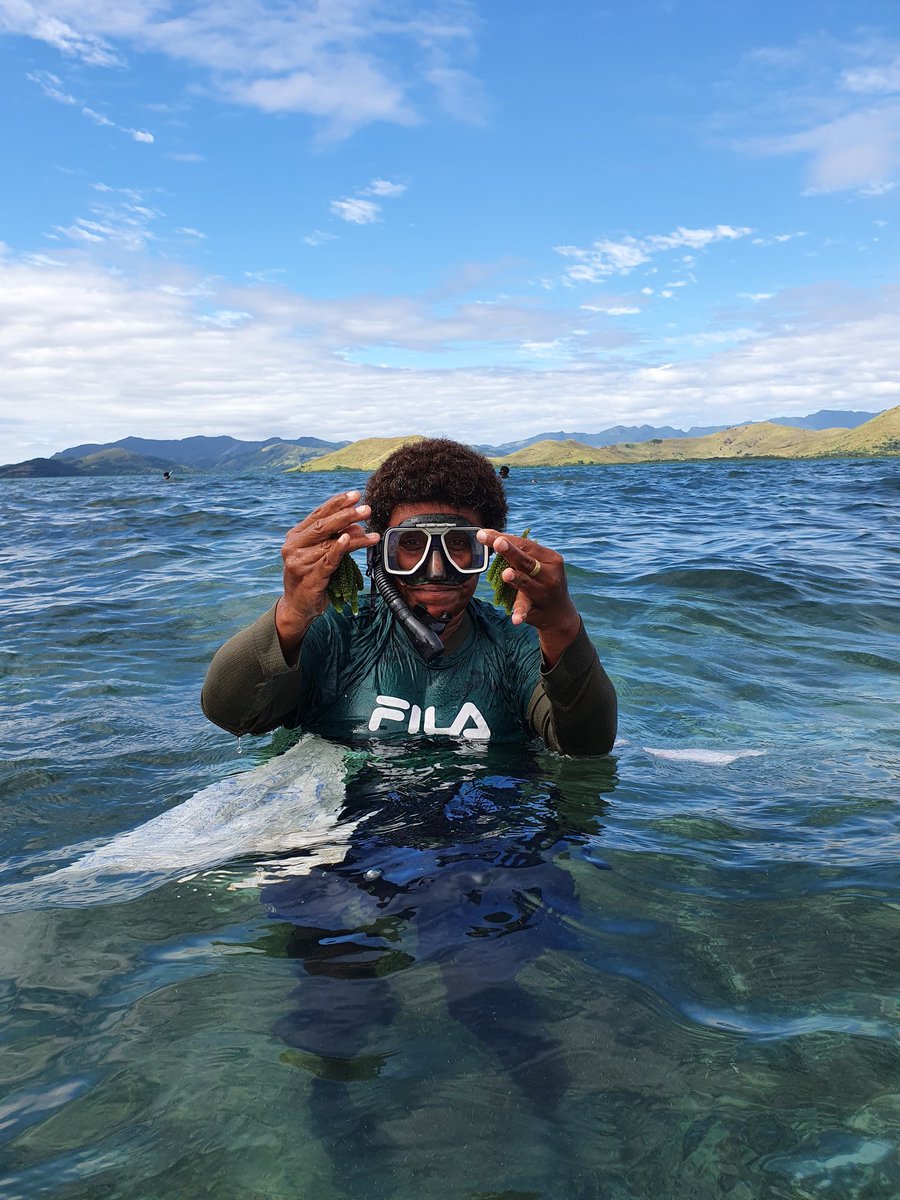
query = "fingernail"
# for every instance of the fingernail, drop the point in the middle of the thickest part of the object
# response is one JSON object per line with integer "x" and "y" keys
{"x": 353, "y": 495}
{"x": 362, "y": 509}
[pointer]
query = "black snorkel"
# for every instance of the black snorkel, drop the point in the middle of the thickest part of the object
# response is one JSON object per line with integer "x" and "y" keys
{"x": 420, "y": 627}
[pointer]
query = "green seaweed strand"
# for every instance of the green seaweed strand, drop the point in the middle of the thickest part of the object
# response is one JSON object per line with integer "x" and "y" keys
{"x": 504, "y": 593}
{"x": 344, "y": 585}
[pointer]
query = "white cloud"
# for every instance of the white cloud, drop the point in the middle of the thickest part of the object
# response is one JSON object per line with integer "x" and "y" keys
{"x": 834, "y": 105}
{"x": 606, "y": 257}
{"x": 612, "y": 310}
{"x": 51, "y": 86}
{"x": 335, "y": 61}
{"x": 225, "y": 318}
{"x": 98, "y": 118}
{"x": 878, "y": 80}
{"x": 80, "y": 231}
{"x": 41, "y": 260}
{"x": 349, "y": 94}
{"x": 881, "y": 188}
{"x": 319, "y": 237}
{"x": 860, "y": 150}
{"x": 778, "y": 238}
{"x": 696, "y": 239}
{"x": 384, "y": 187}
{"x": 21, "y": 17}
{"x": 269, "y": 276}
{"x": 356, "y": 210}
{"x": 178, "y": 357}
{"x": 124, "y": 223}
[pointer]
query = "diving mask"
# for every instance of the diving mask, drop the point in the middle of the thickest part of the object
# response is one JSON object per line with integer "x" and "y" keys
{"x": 433, "y": 548}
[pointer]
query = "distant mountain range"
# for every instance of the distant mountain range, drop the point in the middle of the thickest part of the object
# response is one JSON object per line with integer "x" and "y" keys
{"x": 825, "y": 418}
{"x": 878, "y": 436}
{"x": 133, "y": 455}
{"x": 764, "y": 439}
{"x": 207, "y": 453}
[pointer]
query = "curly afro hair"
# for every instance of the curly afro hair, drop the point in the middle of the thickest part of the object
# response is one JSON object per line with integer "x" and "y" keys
{"x": 436, "y": 469}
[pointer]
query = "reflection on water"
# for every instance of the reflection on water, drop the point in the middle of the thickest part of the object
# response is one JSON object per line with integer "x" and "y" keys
{"x": 667, "y": 974}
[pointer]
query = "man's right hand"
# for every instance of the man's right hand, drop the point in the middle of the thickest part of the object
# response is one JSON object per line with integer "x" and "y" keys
{"x": 312, "y": 552}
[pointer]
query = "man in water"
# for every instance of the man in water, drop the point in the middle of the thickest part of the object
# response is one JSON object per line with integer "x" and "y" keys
{"x": 453, "y": 864}
{"x": 425, "y": 658}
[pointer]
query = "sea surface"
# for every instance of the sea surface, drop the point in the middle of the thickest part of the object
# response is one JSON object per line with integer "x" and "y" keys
{"x": 669, "y": 974}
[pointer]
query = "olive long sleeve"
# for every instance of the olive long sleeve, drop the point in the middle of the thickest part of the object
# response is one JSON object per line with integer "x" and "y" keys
{"x": 250, "y": 688}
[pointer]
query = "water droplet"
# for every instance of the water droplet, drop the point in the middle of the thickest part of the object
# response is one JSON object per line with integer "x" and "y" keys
{"x": 372, "y": 874}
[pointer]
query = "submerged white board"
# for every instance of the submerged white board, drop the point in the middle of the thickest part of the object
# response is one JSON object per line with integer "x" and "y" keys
{"x": 290, "y": 803}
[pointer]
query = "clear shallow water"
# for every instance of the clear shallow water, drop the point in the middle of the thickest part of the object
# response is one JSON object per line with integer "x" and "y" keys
{"x": 634, "y": 978}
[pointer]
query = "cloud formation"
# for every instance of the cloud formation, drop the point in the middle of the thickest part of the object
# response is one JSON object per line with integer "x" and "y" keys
{"x": 51, "y": 86}
{"x": 358, "y": 210}
{"x": 91, "y": 354}
{"x": 859, "y": 151}
{"x": 842, "y": 120}
{"x": 606, "y": 257}
{"x": 44, "y": 25}
{"x": 336, "y": 62}
{"x": 122, "y": 219}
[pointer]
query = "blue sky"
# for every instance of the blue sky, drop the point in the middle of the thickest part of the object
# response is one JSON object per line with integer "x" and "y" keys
{"x": 357, "y": 218}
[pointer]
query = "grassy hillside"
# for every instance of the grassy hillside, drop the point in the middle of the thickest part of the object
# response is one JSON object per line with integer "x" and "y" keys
{"x": 879, "y": 436}
{"x": 559, "y": 454}
{"x": 364, "y": 455}
{"x": 115, "y": 461}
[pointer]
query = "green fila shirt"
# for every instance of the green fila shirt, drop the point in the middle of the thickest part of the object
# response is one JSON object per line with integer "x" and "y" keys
{"x": 361, "y": 677}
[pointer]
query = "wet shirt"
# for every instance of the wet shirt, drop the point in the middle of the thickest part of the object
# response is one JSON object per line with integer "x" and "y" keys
{"x": 361, "y": 677}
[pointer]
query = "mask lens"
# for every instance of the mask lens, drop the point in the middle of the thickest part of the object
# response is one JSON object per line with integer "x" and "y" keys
{"x": 405, "y": 550}
{"x": 464, "y": 550}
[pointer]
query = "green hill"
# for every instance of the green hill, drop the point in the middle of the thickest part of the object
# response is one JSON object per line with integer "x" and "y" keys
{"x": 364, "y": 455}
{"x": 114, "y": 461}
{"x": 879, "y": 436}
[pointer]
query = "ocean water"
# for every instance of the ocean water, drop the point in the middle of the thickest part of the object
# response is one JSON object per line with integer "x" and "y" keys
{"x": 669, "y": 973}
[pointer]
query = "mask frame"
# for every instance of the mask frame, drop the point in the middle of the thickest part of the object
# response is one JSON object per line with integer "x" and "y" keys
{"x": 438, "y": 533}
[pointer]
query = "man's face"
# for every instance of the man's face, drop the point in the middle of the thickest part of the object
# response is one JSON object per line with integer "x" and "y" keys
{"x": 437, "y": 596}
